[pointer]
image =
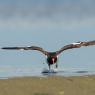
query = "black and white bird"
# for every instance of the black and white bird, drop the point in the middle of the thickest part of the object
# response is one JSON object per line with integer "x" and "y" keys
{"x": 52, "y": 57}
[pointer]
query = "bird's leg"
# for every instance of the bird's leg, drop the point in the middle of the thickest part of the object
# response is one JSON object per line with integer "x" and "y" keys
{"x": 49, "y": 67}
{"x": 56, "y": 65}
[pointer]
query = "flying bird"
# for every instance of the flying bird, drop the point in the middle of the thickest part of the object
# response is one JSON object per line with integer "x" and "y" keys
{"x": 52, "y": 57}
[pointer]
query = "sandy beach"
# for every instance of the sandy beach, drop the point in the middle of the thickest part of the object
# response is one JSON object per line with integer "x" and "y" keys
{"x": 83, "y": 85}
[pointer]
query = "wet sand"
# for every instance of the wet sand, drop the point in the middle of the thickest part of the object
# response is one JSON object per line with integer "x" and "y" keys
{"x": 83, "y": 85}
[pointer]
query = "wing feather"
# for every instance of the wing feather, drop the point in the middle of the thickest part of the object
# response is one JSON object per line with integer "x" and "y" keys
{"x": 26, "y": 48}
{"x": 75, "y": 45}
{"x": 66, "y": 47}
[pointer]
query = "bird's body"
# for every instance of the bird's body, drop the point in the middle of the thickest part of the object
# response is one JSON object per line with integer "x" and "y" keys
{"x": 52, "y": 57}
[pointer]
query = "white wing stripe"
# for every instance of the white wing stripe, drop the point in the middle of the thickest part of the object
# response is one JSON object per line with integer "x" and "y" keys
{"x": 77, "y": 43}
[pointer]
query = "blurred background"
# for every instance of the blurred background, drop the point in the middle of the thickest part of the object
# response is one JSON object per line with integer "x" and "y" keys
{"x": 50, "y": 24}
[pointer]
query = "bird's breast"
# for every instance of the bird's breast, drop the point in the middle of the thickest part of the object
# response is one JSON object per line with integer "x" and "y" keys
{"x": 51, "y": 59}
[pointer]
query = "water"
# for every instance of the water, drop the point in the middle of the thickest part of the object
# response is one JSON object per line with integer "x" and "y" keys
{"x": 28, "y": 71}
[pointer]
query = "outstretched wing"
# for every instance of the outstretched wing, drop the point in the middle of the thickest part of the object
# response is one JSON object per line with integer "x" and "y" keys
{"x": 26, "y": 48}
{"x": 75, "y": 45}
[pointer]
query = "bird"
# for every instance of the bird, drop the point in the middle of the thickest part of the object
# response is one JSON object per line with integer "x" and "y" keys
{"x": 52, "y": 57}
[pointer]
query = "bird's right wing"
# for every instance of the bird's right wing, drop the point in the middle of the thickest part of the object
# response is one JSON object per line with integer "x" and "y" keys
{"x": 26, "y": 48}
{"x": 75, "y": 45}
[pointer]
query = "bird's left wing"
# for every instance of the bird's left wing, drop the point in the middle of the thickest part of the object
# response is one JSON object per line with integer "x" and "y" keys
{"x": 75, "y": 45}
{"x": 26, "y": 48}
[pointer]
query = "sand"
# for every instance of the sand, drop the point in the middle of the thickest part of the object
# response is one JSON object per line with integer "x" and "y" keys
{"x": 84, "y": 85}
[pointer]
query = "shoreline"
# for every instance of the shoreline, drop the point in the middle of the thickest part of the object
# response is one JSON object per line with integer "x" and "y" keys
{"x": 46, "y": 76}
{"x": 52, "y": 85}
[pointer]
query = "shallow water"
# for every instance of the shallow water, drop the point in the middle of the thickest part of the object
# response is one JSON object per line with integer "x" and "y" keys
{"x": 10, "y": 72}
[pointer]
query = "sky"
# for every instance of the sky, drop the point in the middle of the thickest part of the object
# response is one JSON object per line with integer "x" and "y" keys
{"x": 50, "y": 24}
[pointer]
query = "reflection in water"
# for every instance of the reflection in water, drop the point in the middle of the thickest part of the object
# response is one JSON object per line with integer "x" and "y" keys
{"x": 24, "y": 72}
{"x": 67, "y": 73}
{"x": 81, "y": 71}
